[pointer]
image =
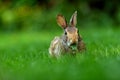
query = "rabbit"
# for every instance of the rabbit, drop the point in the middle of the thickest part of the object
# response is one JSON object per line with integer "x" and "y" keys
{"x": 64, "y": 44}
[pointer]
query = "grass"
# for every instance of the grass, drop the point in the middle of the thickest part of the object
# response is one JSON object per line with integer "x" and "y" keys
{"x": 24, "y": 56}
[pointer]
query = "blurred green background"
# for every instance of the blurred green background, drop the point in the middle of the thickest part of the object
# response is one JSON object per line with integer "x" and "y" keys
{"x": 37, "y": 15}
{"x": 28, "y": 26}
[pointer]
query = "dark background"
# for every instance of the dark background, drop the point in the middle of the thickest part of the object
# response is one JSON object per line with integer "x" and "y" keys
{"x": 37, "y": 15}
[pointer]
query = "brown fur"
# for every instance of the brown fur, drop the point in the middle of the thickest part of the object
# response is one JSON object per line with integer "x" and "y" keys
{"x": 63, "y": 44}
{"x": 72, "y": 34}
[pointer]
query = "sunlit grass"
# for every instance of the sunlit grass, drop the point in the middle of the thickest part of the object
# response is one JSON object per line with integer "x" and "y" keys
{"x": 24, "y": 56}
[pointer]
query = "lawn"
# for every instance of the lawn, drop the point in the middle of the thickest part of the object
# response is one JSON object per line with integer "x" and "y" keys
{"x": 24, "y": 56}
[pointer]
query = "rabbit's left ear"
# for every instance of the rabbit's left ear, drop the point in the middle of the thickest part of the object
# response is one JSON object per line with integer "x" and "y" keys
{"x": 73, "y": 20}
{"x": 61, "y": 21}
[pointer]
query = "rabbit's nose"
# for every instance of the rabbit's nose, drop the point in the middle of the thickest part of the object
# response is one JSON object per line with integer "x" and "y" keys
{"x": 74, "y": 41}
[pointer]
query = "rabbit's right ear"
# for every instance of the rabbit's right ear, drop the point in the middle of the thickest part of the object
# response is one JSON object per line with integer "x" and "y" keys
{"x": 61, "y": 21}
{"x": 73, "y": 20}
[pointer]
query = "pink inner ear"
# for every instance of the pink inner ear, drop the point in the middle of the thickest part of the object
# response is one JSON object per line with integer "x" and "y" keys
{"x": 61, "y": 21}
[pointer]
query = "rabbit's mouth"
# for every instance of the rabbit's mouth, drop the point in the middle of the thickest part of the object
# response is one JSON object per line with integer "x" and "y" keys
{"x": 73, "y": 46}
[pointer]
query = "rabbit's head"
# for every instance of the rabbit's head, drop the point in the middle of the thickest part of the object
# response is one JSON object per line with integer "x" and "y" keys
{"x": 70, "y": 30}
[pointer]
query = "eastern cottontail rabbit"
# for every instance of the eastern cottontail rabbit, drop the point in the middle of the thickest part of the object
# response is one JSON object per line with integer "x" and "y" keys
{"x": 70, "y": 42}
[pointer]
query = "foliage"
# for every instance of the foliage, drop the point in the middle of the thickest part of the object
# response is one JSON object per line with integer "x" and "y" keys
{"x": 22, "y": 15}
{"x": 28, "y": 26}
{"x": 24, "y": 56}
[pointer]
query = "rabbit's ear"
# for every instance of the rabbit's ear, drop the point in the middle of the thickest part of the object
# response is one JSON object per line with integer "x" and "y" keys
{"x": 61, "y": 21}
{"x": 73, "y": 20}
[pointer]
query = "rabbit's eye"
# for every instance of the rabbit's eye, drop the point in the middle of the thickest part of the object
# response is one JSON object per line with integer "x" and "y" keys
{"x": 65, "y": 33}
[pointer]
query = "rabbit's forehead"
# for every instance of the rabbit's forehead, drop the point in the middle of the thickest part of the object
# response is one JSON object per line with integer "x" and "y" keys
{"x": 71, "y": 29}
